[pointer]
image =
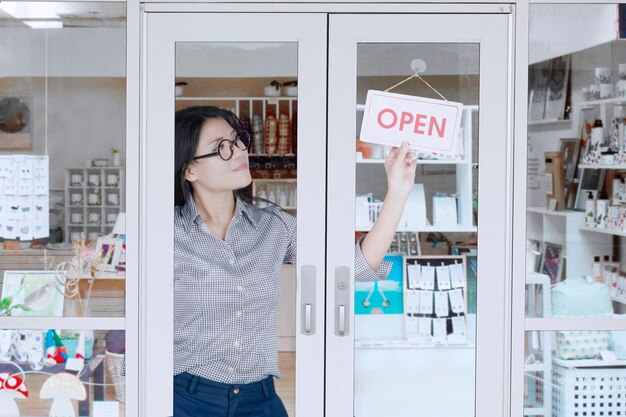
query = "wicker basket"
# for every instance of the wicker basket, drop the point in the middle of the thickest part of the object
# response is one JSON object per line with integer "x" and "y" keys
{"x": 578, "y": 392}
{"x": 116, "y": 367}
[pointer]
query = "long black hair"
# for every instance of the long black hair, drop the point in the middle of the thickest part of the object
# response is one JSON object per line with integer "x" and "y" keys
{"x": 188, "y": 123}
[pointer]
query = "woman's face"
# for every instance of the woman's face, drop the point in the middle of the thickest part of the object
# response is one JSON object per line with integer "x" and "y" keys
{"x": 214, "y": 174}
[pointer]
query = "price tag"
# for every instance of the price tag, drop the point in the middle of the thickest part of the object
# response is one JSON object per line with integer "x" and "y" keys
{"x": 427, "y": 278}
{"x": 426, "y": 302}
{"x": 443, "y": 278}
{"x": 415, "y": 274}
{"x": 456, "y": 275}
{"x": 457, "y": 301}
{"x": 441, "y": 304}
{"x": 75, "y": 364}
{"x": 439, "y": 329}
{"x": 425, "y": 324}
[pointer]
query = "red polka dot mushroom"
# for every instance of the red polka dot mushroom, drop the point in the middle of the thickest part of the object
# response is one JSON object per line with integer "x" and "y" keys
{"x": 11, "y": 388}
{"x": 62, "y": 388}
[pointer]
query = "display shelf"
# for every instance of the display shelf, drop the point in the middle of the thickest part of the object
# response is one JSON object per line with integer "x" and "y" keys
{"x": 592, "y": 103}
{"x": 249, "y": 103}
{"x": 234, "y": 98}
{"x": 63, "y": 323}
{"x": 548, "y": 122}
{"x": 604, "y": 231}
{"x": 442, "y": 229}
{"x": 586, "y": 363}
{"x": 602, "y": 166}
{"x": 407, "y": 344}
{"x": 563, "y": 213}
{"x": 419, "y": 161}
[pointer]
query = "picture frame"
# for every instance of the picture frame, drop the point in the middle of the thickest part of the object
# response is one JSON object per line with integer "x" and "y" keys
{"x": 110, "y": 249}
{"x": 41, "y": 291}
{"x": 552, "y": 261}
{"x": 591, "y": 180}
{"x": 383, "y": 296}
{"x": 538, "y": 75}
{"x": 557, "y": 88}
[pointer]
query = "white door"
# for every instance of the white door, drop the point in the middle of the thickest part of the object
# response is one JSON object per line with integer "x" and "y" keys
{"x": 232, "y": 61}
{"x": 404, "y": 349}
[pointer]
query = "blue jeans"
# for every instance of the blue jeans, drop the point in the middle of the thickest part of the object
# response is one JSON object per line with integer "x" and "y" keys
{"x": 195, "y": 396}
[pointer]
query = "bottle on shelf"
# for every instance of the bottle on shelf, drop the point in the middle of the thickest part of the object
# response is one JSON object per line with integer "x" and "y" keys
{"x": 257, "y": 134}
{"x": 590, "y": 210}
{"x": 596, "y": 269}
{"x": 601, "y": 209}
{"x": 597, "y": 134}
{"x": 271, "y": 135}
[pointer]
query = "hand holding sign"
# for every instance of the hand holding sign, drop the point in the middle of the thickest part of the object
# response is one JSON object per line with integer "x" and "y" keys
{"x": 400, "y": 169}
{"x": 429, "y": 126}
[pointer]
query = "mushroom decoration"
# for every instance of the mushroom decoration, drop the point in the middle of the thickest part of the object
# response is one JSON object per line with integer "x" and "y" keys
{"x": 62, "y": 388}
{"x": 11, "y": 387}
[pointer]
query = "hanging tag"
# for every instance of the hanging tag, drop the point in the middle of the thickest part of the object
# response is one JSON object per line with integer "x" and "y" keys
{"x": 74, "y": 364}
{"x": 439, "y": 329}
{"x": 414, "y": 275}
{"x": 411, "y": 325}
{"x": 425, "y": 324}
{"x": 427, "y": 278}
{"x": 441, "y": 304}
{"x": 459, "y": 327}
{"x": 443, "y": 278}
{"x": 426, "y": 302}
{"x": 456, "y": 275}
{"x": 457, "y": 301}
{"x": 413, "y": 302}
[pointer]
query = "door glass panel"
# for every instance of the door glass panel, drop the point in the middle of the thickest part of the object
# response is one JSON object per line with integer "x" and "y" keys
{"x": 257, "y": 82}
{"x": 415, "y": 338}
{"x": 62, "y": 150}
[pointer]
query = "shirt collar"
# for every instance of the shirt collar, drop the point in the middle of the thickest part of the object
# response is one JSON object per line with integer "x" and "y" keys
{"x": 191, "y": 214}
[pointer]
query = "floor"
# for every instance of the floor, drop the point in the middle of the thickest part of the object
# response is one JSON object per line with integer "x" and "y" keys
{"x": 286, "y": 385}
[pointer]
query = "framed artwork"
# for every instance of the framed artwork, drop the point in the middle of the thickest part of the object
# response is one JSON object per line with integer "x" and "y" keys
{"x": 538, "y": 75}
{"x": 40, "y": 291}
{"x": 381, "y": 297}
{"x": 16, "y": 124}
{"x": 109, "y": 250}
{"x": 590, "y": 181}
{"x": 557, "y": 88}
{"x": 552, "y": 261}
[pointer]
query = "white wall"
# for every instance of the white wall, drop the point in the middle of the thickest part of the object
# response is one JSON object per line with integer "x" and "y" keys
{"x": 72, "y": 52}
{"x": 558, "y": 29}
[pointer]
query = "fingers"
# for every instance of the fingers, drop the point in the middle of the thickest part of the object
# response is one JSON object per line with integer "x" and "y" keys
{"x": 403, "y": 150}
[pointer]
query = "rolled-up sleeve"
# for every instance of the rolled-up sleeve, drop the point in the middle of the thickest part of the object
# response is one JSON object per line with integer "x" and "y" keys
{"x": 362, "y": 270}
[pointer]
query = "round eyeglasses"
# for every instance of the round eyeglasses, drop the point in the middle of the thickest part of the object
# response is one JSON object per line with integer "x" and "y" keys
{"x": 226, "y": 147}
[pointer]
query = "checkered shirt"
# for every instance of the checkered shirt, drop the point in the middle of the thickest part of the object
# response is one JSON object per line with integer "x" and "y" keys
{"x": 226, "y": 292}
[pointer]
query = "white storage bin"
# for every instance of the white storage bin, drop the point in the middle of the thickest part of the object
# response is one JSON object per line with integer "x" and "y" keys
{"x": 587, "y": 392}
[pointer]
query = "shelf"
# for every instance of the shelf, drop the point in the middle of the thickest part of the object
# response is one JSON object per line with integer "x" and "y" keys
{"x": 63, "y": 323}
{"x": 586, "y": 363}
{"x": 604, "y": 231}
{"x": 560, "y": 213}
{"x": 448, "y": 229}
{"x": 601, "y": 166}
{"x": 406, "y": 344}
{"x": 275, "y": 179}
{"x": 591, "y": 103}
{"x": 549, "y": 122}
{"x": 265, "y": 98}
{"x": 419, "y": 161}
{"x": 265, "y": 155}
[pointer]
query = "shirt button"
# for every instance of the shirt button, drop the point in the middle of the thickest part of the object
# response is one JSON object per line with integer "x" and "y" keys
{"x": 236, "y": 391}
{"x": 236, "y": 344}
{"x": 231, "y": 262}
{"x": 239, "y": 314}
{"x": 231, "y": 370}
{"x": 239, "y": 288}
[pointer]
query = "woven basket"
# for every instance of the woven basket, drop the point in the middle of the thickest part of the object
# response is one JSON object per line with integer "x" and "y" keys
{"x": 116, "y": 367}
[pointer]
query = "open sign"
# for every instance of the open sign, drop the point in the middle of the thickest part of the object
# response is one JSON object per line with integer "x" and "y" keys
{"x": 429, "y": 125}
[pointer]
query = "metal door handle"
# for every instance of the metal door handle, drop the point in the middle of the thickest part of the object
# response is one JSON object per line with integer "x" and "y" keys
{"x": 307, "y": 319}
{"x": 307, "y": 300}
{"x": 343, "y": 299}
{"x": 342, "y": 320}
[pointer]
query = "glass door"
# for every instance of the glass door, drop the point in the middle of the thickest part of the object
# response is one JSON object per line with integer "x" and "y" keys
{"x": 246, "y": 305}
{"x": 419, "y": 334}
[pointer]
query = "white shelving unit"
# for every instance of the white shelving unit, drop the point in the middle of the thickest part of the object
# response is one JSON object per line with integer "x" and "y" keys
{"x": 288, "y": 185}
{"x": 104, "y": 207}
{"x": 565, "y": 228}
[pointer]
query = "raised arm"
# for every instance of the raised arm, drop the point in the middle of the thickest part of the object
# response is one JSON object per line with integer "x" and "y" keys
{"x": 400, "y": 169}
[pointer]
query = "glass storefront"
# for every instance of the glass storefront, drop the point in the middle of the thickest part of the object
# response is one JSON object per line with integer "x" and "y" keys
{"x": 576, "y": 210}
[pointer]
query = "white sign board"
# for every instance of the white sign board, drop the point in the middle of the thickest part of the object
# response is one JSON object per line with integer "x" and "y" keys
{"x": 429, "y": 125}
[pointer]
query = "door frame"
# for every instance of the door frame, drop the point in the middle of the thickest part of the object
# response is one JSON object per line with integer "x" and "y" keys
{"x": 161, "y": 33}
{"x": 346, "y": 31}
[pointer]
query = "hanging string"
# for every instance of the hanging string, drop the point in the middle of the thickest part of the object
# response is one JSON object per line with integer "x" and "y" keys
{"x": 416, "y": 75}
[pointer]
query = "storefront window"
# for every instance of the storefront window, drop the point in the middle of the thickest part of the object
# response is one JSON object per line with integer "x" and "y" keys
{"x": 576, "y": 209}
{"x": 62, "y": 208}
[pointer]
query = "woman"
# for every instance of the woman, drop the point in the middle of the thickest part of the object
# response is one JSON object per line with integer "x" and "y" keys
{"x": 228, "y": 255}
